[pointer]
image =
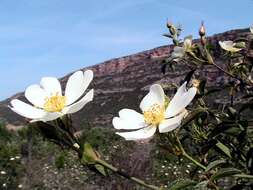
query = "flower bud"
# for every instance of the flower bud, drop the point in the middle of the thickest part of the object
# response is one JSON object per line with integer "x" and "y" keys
{"x": 251, "y": 29}
{"x": 202, "y": 30}
{"x": 169, "y": 24}
{"x": 76, "y": 145}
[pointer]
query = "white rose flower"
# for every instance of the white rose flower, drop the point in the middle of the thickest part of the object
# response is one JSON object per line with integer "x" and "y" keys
{"x": 155, "y": 114}
{"x": 229, "y": 46}
{"x": 179, "y": 52}
{"x": 251, "y": 29}
{"x": 48, "y": 101}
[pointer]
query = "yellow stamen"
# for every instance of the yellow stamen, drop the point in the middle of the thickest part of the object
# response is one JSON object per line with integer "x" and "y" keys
{"x": 154, "y": 115}
{"x": 55, "y": 103}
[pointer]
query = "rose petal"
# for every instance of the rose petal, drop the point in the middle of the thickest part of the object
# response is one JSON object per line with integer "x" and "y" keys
{"x": 80, "y": 104}
{"x": 77, "y": 84}
{"x": 181, "y": 99}
{"x": 251, "y": 29}
{"x": 155, "y": 96}
{"x": 144, "y": 133}
{"x": 129, "y": 119}
{"x": 51, "y": 86}
{"x": 171, "y": 124}
{"x": 50, "y": 116}
{"x": 36, "y": 95}
{"x": 129, "y": 114}
{"x": 26, "y": 110}
{"x": 178, "y": 52}
{"x": 119, "y": 123}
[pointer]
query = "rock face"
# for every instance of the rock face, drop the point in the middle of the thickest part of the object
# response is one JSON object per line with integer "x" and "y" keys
{"x": 122, "y": 82}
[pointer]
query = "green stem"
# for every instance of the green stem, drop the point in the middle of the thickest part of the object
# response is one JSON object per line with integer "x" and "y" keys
{"x": 188, "y": 156}
{"x": 193, "y": 160}
{"x": 229, "y": 74}
{"x": 211, "y": 61}
{"x": 116, "y": 170}
{"x": 195, "y": 57}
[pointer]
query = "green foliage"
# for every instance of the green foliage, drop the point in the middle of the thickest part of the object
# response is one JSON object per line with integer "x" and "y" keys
{"x": 182, "y": 184}
{"x": 224, "y": 172}
{"x": 10, "y": 164}
{"x": 5, "y": 135}
{"x": 60, "y": 160}
{"x": 100, "y": 138}
{"x": 214, "y": 164}
{"x": 220, "y": 136}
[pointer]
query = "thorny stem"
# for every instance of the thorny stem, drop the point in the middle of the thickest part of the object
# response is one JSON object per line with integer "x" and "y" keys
{"x": 204, "y": 167}
{"x": 211, "y": 61}
{"x": 119, "y": 172}
{"x": 184, "y": 153}
{"x": 136, "y": 180}
{"x": 229, "y": 74}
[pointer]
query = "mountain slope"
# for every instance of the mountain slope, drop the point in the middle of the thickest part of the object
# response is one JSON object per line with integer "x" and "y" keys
{"x": 122, "y": 82}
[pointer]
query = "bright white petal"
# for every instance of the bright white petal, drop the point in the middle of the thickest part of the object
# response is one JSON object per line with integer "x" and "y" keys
{"x": 51, "y": 116}
{"x": 187, "y": 43}
{"x": 144, "y": 133}
{"x": 251, "y": 29}
{"x": 128, "y": 119}
{"x": 119, "y": 123}
{"x": 36, "y": 95}
{"x": 131, "y": 115}
{"x": 226, "y": 44}
{"x": 77, "y": 84}
{"x": 181, "y": 99}
{"x": 155, "y": 96}
{"x": 87, "y": 77}
{"x": 229, "y": 46}
{"x": 222, "y": 45}
{"x": 171, "y": 124}
{"x": 180, "y": 91}
{"x": 80, "y": 104}
{"x": 178, "y": 52}
{"x": 26, "y": 110}
{"x": 51, "y": 85}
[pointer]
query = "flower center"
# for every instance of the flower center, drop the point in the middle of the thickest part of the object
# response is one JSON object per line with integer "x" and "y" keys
{"x": 154, "y": 115}
{"x": 55, "y": 103}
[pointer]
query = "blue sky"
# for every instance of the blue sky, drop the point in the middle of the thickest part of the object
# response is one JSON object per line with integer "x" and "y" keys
{"x": 54, "y": 37}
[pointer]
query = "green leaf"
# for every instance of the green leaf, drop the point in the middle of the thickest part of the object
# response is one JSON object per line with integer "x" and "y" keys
{"x": 249, "y": 159}
{"x": 101, "y": 169}
{"x": 224, "y": 172}
{"x": 89, "y": 155}
{"x": 181, "y": 184}
{"x": 240, "y": 45}
{"x": 214, "y": 164}
{"x": 224, "y": 149}
{"x": 201, "y": 185}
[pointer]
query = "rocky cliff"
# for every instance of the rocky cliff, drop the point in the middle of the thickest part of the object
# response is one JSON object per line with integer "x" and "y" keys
{"x": 122, "y": 82}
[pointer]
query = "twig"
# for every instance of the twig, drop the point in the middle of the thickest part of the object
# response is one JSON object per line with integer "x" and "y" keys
{"x": 137, "y": 180}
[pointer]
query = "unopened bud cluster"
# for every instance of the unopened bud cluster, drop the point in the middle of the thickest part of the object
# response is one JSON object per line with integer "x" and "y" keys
{"x": 174, "y": 32}
{"x": 202, "y": 33}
